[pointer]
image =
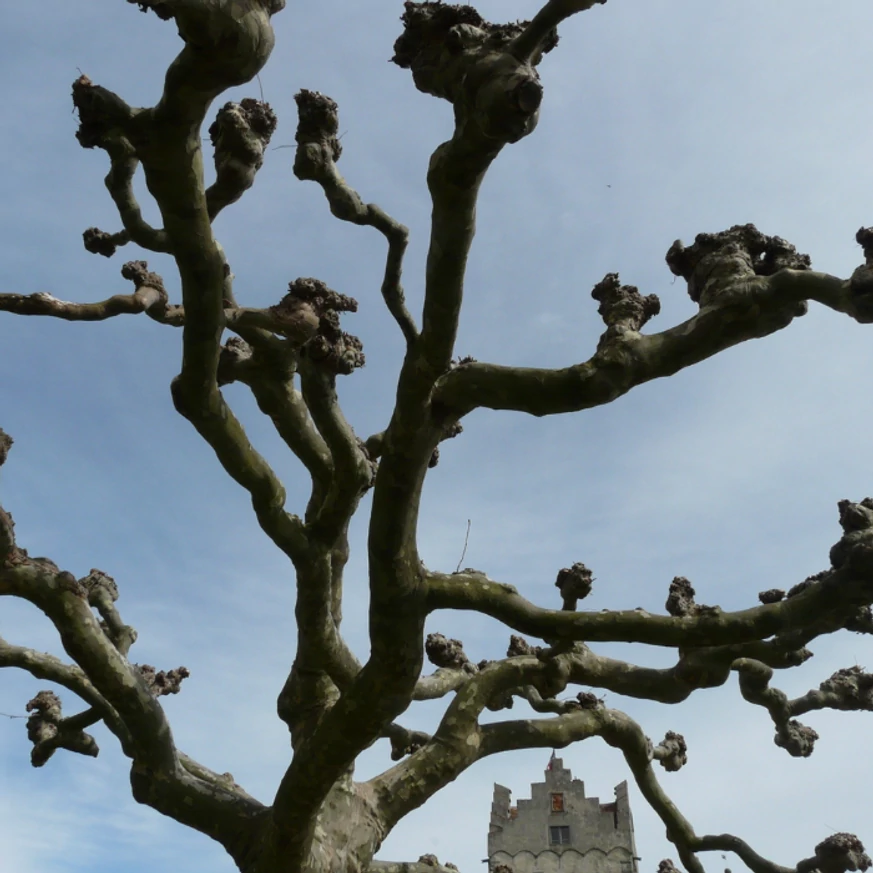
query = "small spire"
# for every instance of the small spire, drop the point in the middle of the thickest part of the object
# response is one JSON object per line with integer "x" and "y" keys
{"x": 552, "y": 759}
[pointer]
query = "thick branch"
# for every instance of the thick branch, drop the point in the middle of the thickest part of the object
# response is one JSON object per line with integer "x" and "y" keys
{"x": 618, "y": 730}
{"x": 64, "y": 601}
{"x": 730, "y": 843}
{"x": 496, "y": 100}
{"x": 318, "y": 149}
{"x": 742, "y": 297}
{"x": 358, "y": 718}
{"x": 119, "y": 183}
{"x": 710, "y": 641}
{"x": 203, "y": 800}
{"x": 152, "y": 301}
{"x": 269, "y": 373}
{"x": 221, "y": 429}
{"x": 107, "y": 122}
{"x": 323, "y": 663}
{"x": 835, "y": 854}
{"x": 49, "y": 731}
{"x": 120, "y": 694}
{"x": 404, "y": 741}
{"x": 541, "y": 29}
{"x": 5, "y": 444}
{"x": 352, "y": 469}
{"x": 198, "y": 398}
{"x": 240, "y": 135}
{"x": 102, "y": 592}
{"x": 455, "y": 55}
{"x": 425, "y": 864}
{"x": 214, "y": 421}
{"x": 704, "y": 667}
{"x": 439, "y": 684}
{"x": 297, "y": 327}
{"x": 622, "y": 732}
{"x": 52, "y": 669}
{"x": 457, "y": 742}
{"x": 195, "y": 390}
{"x": 839, "y": 593}
{"x": 847, "y": 689}
{"x": 226, "y": 44}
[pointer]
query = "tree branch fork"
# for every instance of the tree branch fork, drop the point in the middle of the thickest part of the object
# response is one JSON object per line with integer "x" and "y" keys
{"x": 125, "y": 696}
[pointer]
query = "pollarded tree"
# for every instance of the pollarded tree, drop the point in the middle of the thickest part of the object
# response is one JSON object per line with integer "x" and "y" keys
{"x": 747, "y": 285}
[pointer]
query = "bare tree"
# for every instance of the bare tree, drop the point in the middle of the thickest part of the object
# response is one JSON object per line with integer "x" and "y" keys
{"x": 747, "y": 285}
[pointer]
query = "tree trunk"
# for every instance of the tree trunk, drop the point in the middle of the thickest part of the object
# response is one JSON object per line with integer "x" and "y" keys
{"x": 346, "y": 835}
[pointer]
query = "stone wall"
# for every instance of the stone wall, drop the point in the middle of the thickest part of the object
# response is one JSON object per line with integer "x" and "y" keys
{"x": 591, "y": 837}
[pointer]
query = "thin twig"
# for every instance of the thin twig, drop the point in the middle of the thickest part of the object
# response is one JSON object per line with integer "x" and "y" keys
{"x": 466, "y": 540}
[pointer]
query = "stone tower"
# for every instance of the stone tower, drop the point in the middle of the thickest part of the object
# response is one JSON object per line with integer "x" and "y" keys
{"x": 560, "y": 830}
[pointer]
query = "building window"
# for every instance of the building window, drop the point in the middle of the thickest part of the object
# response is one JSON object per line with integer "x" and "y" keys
{"x": 559, "y": 836}
{"x": 557, "y": 803}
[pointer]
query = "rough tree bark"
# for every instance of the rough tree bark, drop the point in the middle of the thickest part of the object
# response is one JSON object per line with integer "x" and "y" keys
{"x": 747, "y": 285}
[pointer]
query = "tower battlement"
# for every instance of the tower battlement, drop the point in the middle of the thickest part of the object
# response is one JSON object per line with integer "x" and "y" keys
{"x": 560, "y": 830}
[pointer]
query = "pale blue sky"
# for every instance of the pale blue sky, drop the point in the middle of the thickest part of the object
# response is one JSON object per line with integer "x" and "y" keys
{"x": 660, "y": 120}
